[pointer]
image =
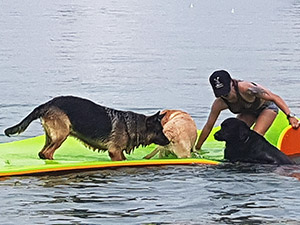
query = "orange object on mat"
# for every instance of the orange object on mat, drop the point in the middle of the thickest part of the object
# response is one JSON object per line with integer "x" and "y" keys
{"x": 289, "y": 141}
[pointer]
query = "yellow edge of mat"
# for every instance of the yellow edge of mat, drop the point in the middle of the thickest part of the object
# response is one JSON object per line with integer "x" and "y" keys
{"x": 111, "y": 165}
{"x": 281, "y": 136}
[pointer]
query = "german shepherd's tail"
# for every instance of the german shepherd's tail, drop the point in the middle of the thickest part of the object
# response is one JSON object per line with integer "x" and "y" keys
{"x": 21, "y": 127}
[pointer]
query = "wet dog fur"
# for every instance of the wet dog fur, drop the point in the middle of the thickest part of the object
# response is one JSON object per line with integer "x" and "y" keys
{"x": 98, "y": 127}
{"x": 181, "y": 130}
{"x": 246, "y": 145}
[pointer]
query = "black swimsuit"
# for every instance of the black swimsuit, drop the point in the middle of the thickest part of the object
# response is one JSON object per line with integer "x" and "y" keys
{"x": 242, "y": 106}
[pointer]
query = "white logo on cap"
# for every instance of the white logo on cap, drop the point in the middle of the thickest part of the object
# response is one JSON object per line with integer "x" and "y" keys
{"x": 218, "y": 84}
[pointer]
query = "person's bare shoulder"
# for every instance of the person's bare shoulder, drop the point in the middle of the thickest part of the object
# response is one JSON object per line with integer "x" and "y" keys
{"x": 252, "y": 89}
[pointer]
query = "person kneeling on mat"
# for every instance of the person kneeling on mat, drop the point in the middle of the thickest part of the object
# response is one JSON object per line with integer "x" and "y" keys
{"x": 250, "y": 101}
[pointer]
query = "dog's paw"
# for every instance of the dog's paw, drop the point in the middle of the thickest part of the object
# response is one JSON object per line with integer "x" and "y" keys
{"x": 196, "y": 154}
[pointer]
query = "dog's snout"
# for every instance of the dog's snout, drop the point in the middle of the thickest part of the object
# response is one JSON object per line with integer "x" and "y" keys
{"x": 165, "y": 141}
{"x": 218, "y": 136}
{"x": 160, "y": 139}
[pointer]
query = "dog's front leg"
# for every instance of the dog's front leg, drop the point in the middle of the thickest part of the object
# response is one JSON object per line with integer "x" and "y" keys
{"x": 151, "y": 154}
{"x": 116, "y": 154}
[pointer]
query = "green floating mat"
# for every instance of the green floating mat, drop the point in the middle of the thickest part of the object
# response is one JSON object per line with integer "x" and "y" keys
{"x": 21, "y": 157}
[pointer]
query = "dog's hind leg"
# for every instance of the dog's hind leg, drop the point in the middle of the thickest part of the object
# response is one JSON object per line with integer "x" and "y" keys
{"x": 182, "y": 149}
{"x": 47, "y": 145}
{"x": 48, "y": 150}
{"x": 57, "y": 129}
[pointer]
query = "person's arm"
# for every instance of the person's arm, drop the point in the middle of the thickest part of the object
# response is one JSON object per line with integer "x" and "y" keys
{"x": 267, "y": 95}
{"x": 216, "y": 108}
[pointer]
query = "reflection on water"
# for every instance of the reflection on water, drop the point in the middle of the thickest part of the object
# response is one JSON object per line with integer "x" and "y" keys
{"x": 147, "y": 56}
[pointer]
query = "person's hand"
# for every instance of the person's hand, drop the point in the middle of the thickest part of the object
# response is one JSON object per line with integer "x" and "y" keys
{"x": 294, "y": 122}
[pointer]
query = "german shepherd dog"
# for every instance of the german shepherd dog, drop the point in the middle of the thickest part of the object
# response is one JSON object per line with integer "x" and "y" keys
{"x": 98, "y": 127}
{"x": 181, "y": 130}
{"x": 246, "y": 145}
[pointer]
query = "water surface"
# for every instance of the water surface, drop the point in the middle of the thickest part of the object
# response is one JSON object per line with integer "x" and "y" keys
{"x": 146, "y": 56}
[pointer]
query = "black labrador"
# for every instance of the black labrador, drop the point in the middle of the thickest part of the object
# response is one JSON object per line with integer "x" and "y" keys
{"x": 246, "y": 145}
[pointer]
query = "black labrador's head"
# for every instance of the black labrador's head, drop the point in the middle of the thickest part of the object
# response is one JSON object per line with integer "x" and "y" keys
{"x": 233, "y": 130}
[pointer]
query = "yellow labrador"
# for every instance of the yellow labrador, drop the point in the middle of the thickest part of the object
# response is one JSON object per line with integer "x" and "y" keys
{"x": 181, "y": 130}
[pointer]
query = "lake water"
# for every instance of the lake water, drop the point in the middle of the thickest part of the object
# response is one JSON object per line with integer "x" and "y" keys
{"x": 146, "y": 56}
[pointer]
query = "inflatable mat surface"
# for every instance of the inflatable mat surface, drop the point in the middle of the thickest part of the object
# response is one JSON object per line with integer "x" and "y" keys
{"x": 21, "y": 157}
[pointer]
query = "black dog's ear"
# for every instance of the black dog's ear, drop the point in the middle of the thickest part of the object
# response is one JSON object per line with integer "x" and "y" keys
{"x": 244, "y": 132}
{"x": 150, "y": 120}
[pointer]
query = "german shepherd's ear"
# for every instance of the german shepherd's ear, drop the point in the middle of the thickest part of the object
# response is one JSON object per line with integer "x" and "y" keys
{"x": 152, "y": 120}
{"x": 161, "y": 116}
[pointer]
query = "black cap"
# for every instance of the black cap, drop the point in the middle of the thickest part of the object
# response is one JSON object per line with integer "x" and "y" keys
{"x": 221, "y": 82}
